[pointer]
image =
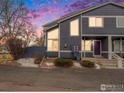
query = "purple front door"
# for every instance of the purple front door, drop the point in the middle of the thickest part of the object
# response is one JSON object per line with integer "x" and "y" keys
{"x": 97, "y": 47}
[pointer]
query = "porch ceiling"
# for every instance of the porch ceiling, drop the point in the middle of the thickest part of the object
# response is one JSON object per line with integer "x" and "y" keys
{"x": 94, "y": 37}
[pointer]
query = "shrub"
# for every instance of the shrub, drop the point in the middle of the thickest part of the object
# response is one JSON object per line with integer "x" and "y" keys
{"x": 87, "y": 63}
{"x": 5, "y": 58}
{"x": 61, "y": 62}
{"x": 16, "y": 47}
{"x": 38, "y": 60}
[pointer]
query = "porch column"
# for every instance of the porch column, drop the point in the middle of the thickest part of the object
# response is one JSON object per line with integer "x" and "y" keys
{"x": 109, "y": 47}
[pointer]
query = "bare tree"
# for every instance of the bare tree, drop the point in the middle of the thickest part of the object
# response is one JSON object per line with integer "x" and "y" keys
{"x": 13, "y": 21}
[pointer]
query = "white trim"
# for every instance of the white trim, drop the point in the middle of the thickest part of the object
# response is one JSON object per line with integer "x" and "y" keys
{"x": 94, "y": 48}
{"x": 65, "y": 51}
{"x": 87, "y": 51}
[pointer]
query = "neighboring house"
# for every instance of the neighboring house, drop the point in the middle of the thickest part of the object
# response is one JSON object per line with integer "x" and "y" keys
{"x": 96, "y": 31}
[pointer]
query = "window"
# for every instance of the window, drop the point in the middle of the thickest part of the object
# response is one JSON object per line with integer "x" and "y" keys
{"x": 117, "y": 45}
{"x": 53, "y": 34}
{"x": 95, "y": 22}
{"x": 52, "y": 45}
{"x": 86, "y": 45}
{"x": 120, "y": 22}
{"x": 74, "y": 27}
{"x": 52, "y": 40}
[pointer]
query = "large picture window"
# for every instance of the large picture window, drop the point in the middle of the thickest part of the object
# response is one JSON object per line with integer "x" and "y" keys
{"x": 95, "y": 22}
{"x": 86, "y": 45}
{"x": 74, "y": 27}
{"x": 120, "y": 22}
{"x": 52, "y": 40}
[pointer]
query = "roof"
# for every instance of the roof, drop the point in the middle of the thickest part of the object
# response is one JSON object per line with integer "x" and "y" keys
{"x": 66, "y": 17}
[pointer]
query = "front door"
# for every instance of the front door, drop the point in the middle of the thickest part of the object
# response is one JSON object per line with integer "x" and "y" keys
{"x": 97, "y": 47}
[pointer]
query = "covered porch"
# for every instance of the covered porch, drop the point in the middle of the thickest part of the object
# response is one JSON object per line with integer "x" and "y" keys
{"x": 102, "y": 46}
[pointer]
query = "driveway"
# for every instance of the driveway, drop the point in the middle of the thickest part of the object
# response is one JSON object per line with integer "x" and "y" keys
{"x": 60, "y": 79}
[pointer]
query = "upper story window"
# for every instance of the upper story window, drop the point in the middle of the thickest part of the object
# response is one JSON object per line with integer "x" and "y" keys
{"x": 74, "y": 27}
{"x": 95, "y": 22}
{"x": 120, "y": 22}
{"x": 53, "y": 34}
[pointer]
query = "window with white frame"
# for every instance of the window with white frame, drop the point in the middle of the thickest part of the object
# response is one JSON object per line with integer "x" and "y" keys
{"x": 96, "y": 22}
{"x": 120, "y": 22}
{"x": 52, "y": 40}
{"x": 74, "y": 27}
{"x": 86, "y": 45}
{"x": 116, "y": 45}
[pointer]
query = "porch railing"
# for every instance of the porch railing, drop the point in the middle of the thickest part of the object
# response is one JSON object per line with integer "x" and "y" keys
{"x": 119, "y": 60}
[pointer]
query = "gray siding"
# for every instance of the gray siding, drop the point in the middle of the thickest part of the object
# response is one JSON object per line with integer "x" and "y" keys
{"x": 52, "y": 54}
{"x": 65, "y": 37}
{"x": 66, "y": 54}
{"x": 107, "y": 10}
{"x": 108, "y": 29}
{"x": 87, "y": 54}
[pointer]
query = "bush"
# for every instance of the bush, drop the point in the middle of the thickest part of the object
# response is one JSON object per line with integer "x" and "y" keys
{"x": 38, "y": 60}
{"x": 87, "y": 63}
{"x": 61, "y": 62}
{"x": 16, "y": 47}
{"x": 5, "y": 58}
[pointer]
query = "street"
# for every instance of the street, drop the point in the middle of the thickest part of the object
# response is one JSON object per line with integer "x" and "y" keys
{"x": 59, "y": 79}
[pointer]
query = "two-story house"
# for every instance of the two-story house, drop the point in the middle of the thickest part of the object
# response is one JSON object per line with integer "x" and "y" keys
{"x": 96, "y": 31}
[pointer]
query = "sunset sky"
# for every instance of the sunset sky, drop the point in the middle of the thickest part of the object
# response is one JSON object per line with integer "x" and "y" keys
{"x": 44, "y": 11}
